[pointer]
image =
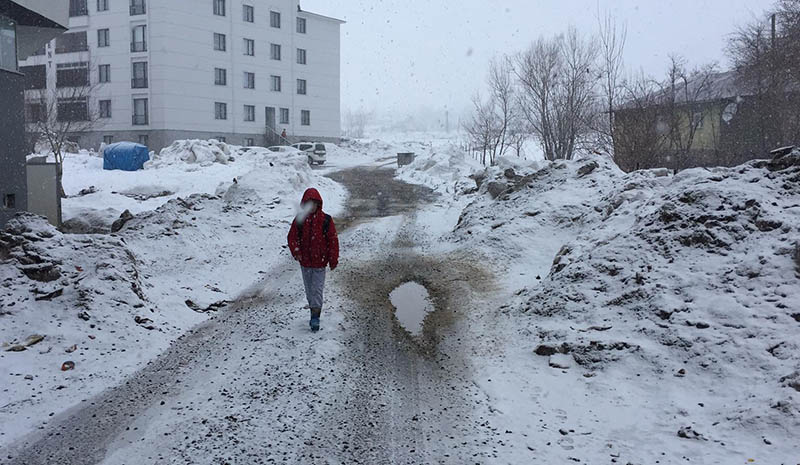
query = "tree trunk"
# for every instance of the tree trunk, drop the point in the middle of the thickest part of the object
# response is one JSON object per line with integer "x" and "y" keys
{"x": 60, "y": 176}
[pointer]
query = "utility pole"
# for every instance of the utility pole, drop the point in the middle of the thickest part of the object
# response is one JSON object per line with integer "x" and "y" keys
{"x": 772, "y": 20}
{"x": 447, "y": 121}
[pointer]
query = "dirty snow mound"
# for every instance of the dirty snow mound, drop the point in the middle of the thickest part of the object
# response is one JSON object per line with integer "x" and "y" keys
{"x": 190, "y": 152}
{"x": 444, "y": 169}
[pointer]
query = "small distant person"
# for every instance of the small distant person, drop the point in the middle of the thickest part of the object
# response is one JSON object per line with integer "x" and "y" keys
{"x": 283, "y": 134}
{"x": 313, "y": 242}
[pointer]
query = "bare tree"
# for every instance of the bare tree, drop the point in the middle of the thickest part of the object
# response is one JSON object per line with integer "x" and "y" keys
{"x": 502, "y": 101}
{"x": 518, "y": 135}
{"x": 492, "y": 119}
{"x": 685, "y": 97}
{"x": 612, "y": 39}
{"x": 355, "y": 122}
{"x": 480, "y": 127}
{"x": 65, "y": 111}
{"x": 766, "y": 57}
{"x": 557, "y": 91}
{"x": 642, "y": 133}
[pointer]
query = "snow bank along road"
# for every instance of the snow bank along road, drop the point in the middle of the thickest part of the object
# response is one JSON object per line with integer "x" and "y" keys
{"x": 253, "y": 385}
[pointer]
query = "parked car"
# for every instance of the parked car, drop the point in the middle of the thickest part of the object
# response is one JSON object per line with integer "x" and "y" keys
{"x": 316, "y": 151}
{"x": 283, "y": 149}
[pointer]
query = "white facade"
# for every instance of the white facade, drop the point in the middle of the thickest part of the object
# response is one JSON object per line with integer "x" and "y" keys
{"x": 182, "y": 95}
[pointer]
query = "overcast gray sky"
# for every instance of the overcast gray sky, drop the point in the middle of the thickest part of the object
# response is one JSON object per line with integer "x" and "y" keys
{"x": 401, "y": 55}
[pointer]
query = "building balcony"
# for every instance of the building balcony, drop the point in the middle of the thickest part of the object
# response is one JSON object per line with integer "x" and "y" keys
{"x": 139, "y": 83}
{"x": 138, "y": 46}
{"x": 139, "y": 120}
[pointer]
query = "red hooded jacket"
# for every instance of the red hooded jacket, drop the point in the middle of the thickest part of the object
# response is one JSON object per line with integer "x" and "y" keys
{"x": 314, "y": 249}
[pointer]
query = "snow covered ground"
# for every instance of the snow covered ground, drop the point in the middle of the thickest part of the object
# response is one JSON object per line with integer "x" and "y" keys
{"x": 111, "y": 303}
{"x": 650, "y": 318}
{"x": 629, "y": 318}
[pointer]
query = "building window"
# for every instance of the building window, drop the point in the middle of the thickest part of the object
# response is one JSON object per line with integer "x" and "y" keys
{"x": 284, "y": 116}
{"x": 249, "y": 13}
{"x": 219, "y": 7}
{"x": 35, "y": 77}
{"x": 249, "y": 113}
{"x": 72, "y": 74}
{"x": 220, "y": 110}
{"x": 249, "y": 142}
{"x": 140, "y": 113}
{"x": 34, "y": 112}
{"x": 78, "y": 8}
{"x": 105, "y": 73}
{"x": 301, "y": 87}
{"x": 8, "y": 44}
{"x": 275, "y": 19}
{"x": 301, "y": 56}
{"x": 102, "y": 5}
{"x": 139, "y": 75}
{"x": 249, "y": 80}
{"x": 276, "y": 83}
{"x": 72, "y": 109}
{"x": 139, "y": 39}
{"x": 105, "y": 108}
{"x": 219, "y": 42}
{"x": 249, "y": 47}
{"x": 301, "y": 25}
{"x": 10, "y": 201}
{"x": 108, "y": 140}
{"x": 698, "y": 119}
{"x": 305, "y": 117}
{"x": 138, "y": 7}
{"x": 220, "y": 76}
{"x": 72, "y": 42}
{"x": 103, "y": 38}
{"x": 275, "y": 51}
{"x": 144, "y": 139}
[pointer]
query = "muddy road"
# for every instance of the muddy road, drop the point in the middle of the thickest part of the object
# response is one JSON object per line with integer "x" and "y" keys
{"x": 253, "y": 385}
{"x": 404, "y": 392}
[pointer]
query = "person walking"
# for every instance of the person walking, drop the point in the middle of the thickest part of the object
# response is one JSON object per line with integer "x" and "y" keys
{"x": 313, "y": 242}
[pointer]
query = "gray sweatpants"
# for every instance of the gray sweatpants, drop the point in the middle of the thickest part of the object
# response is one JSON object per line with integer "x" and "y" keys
{"x": 314, "y": 282}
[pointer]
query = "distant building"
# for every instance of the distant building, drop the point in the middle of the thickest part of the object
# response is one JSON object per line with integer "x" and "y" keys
{"x": 25, "y": 25}
{"x": 724, "y": 116}
{"x": 238, "y": 71}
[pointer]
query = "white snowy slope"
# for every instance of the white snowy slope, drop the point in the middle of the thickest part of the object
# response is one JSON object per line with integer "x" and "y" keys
{"x": 645, "y": 318}
{"x": 110, "y": 303}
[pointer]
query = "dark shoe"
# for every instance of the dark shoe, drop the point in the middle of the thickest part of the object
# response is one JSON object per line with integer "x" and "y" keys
{"x": 314, "y": 323}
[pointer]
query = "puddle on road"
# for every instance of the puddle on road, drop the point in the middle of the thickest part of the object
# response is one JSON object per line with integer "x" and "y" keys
{"x": 412, "y": 304}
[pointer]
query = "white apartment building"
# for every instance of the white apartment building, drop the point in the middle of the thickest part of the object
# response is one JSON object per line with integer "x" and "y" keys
{"x": 242, "y": 71}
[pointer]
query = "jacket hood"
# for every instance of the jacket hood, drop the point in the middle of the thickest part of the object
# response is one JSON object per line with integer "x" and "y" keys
{"x": 312, "y": 194}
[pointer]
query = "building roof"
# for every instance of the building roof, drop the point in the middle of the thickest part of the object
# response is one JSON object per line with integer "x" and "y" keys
{"x": 316, "y": 15}
{"x": 37, "y": 13}
{"x": 722, "y": 86}
{"x": 38, "y": 22}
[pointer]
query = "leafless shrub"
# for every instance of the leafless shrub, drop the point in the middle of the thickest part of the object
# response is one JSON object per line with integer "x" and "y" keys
{"x": 557, "y": 91}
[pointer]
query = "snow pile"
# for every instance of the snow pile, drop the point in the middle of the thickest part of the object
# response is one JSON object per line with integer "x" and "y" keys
{"x": 86, "y": 296}
{"x": 445, "y": 169}
{"x": 190, "y": 152}
{"x": 535, "y": 212}
{"x": 685, "y": 285}
{"x": 97, "y": 197}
